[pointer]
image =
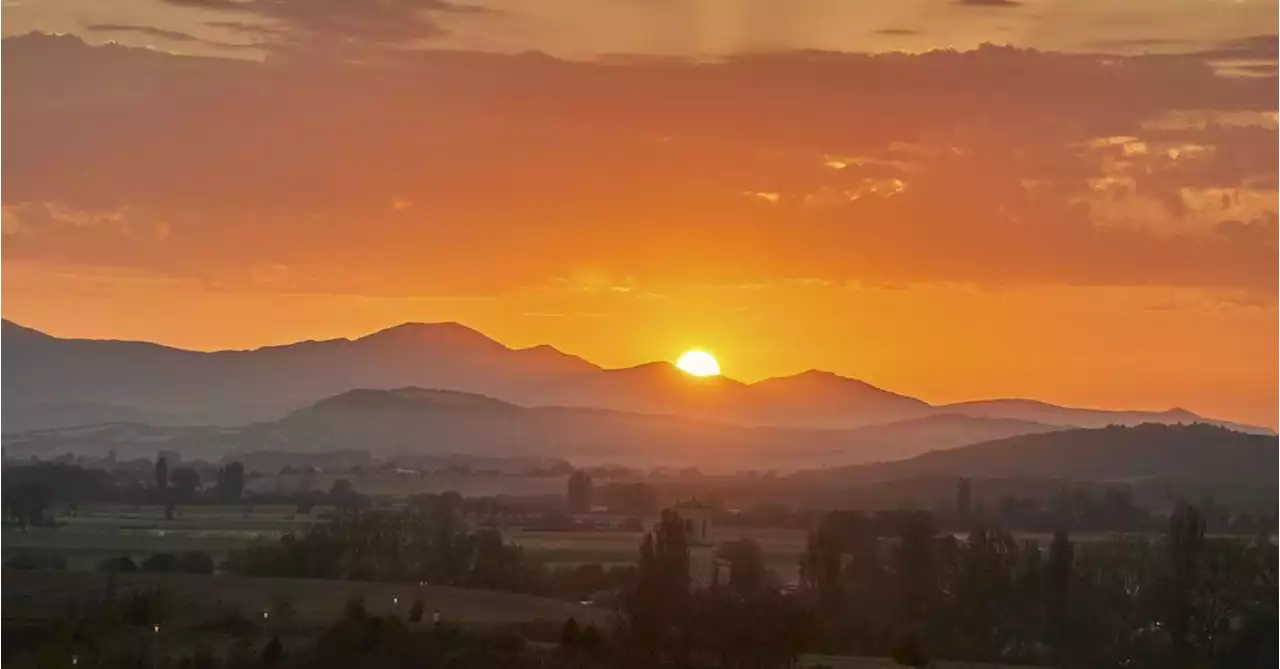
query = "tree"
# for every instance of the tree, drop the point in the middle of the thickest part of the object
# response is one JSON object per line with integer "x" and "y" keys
{"x": 186, "y": 481}
{"x": 1185, "y": 549}
{"x": 26, "y": 501}
{"x": 231, "y": 481}
{"x": 964, "y": 500}
{"x": 341, "y": 488}
{"x": 917, "y": 583}
{"x": 344, "y": 496}
{"x": 747, "y": 572}
{"x": 162, "y": 473}
{"x": 569, "y": 634}
{"x": 1058, "y": 594}
{"x": 117, "y": 564}
{"x": 580, "y": 492}
{"x": 909, "y": 653}
{"x": 590, "y": 639}
{"x": 415, "y": 611}
{"x": 662, "y": 586}
{"x": 272, "y": 651}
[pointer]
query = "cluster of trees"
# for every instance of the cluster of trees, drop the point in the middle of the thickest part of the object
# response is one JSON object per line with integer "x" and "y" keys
{"x": 32, "y": 491}
{"x": 580, "y": 492}
{"x": 878, "y": 582}
{"x": 744, "y": 623}
{"x": 631, "y": 499}
{"x": 425, "y": 542}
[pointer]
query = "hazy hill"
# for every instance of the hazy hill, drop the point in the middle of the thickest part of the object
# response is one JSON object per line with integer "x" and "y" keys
{"x": 418, "y": 421}
{"x": 1201, "y": 454}
{"x": 174, "y": 386}
{"x": 1051, "y": 414}
{"x": 52, "y": 382}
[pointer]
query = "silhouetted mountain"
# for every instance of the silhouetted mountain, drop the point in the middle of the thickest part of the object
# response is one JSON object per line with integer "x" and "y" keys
{"x": 418, "y": 421}
{"x": 1050, "y": 414}
{"x": 1200, "y": 454}
{"x": 174, "y": 386}
{"x": 823, "y": 399}
{"x": 50, "y": 382}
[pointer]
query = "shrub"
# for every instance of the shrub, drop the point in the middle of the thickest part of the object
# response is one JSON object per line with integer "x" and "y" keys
{"x": 117, "y": 564}
{"x": 415, "y": 611}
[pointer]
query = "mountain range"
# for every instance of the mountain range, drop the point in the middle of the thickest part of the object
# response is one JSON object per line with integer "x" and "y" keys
{"x": 417, "y": 421}
{"x": 55, "y": 382}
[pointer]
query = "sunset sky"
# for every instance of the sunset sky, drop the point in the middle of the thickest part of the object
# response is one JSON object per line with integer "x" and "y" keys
{"x": 1084, "y": 214}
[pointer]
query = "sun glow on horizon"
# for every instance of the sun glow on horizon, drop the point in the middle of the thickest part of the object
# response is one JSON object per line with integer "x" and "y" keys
{"x": 698, "y": 363}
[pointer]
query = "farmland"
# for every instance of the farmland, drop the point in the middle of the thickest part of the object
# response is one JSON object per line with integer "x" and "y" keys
{"x": 44, "y": 594}
{"x": 99, "y": 532}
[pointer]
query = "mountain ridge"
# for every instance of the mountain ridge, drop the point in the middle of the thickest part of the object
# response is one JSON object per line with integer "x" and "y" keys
{"x": 416, "y": 421}
{"x": 1145, "y": 452}
{"x": 48, "y": 377}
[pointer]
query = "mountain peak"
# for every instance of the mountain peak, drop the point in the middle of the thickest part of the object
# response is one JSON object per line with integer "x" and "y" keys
{"x": 410, "y": 398}
{"x": 446, "y": 333}
{"x": 820, "y": 379}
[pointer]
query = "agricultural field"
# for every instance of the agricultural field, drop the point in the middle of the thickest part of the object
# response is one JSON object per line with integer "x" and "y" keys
{"x": 98, "y": 532}
{"x": 194, "y": 597}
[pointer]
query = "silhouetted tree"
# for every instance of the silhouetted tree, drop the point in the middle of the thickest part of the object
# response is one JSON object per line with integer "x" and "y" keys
{"x": 747, "y": 572}
{"x": 1186, "y": 547}
{"x": 117, "y": 564}
{"x": 1058, "y": 576}
{"x": 964, "y": 500}
{"x": 415, "y": 611}
{"x": 272, "y": 651}
{"x": 579, "y": 492}
{"x": 662, "y": 586}
{"x": 185, "y": 482}
{"x": 916, "y": 582}
{"x": 341, "y": 488}
{"x": 908, "y": 652}
{"x": 162, "y": 473}
{"x": 26, "y": 501}
{"x": 231, "y": 481}
{"x": 569, "y": 634}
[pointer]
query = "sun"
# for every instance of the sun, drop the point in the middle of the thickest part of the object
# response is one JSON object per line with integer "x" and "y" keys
{"x": 699, "y": 363}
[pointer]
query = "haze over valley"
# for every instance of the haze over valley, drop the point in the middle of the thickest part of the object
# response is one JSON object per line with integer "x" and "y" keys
{"x": 447, "y": 389}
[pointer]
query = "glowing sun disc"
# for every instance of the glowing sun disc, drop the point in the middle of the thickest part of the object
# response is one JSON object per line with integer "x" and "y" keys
{"x": 699, "y": 363}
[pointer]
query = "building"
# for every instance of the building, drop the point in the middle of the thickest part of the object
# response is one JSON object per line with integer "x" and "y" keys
{"x": 697, "y": 521}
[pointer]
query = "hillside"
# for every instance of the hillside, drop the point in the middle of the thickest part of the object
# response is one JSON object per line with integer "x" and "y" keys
{"x": 1202, "y": 454}
{"x": 53, "y": 382}
{"x": 420, "y": 421}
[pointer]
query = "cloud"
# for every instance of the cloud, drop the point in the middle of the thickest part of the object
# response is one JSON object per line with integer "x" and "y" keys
{"x": 1044, "y": 169}
{"x": 988, "y": 3}
{"x": 163, "y": 34}
{"x": 898, "y": 32}
{"x": 335, "y": 26}
{"x": 1131, "y": 44}
{"x": 148, "y": 31}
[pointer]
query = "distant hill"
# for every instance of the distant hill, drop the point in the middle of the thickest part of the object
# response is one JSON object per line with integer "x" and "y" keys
{"x": 418, "y": 421}
{"x": 1199, "y": 454}
{"x": 54, "y": 382}
{"x": 173, "y": 386}
{"x": 1051, "y": 414}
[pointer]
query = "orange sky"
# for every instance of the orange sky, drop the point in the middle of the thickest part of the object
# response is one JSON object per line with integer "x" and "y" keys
{"x": 1083, "y": 229}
